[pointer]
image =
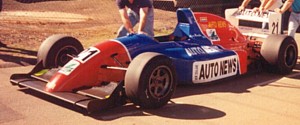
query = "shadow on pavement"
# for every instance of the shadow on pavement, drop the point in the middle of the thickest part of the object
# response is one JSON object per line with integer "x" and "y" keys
{"x": 17, "y": 60}
{"x": 33, "y": 1}
{"x": 174, "y": 111}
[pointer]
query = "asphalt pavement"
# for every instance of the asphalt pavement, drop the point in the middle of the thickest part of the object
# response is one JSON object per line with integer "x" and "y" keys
{"x": 257, "y": 98}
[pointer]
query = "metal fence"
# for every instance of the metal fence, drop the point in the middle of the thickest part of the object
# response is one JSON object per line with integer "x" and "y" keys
{"x": 106, "y": 11}
{"x": 212, "y": 6}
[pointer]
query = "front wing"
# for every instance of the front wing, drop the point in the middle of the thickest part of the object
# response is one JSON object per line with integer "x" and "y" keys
{"x": 92, "y": 99}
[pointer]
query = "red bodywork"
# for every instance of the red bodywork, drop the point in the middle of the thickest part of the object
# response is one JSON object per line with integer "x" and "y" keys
{"x": 91, "y": 73}
{"x": 230, "y": 37}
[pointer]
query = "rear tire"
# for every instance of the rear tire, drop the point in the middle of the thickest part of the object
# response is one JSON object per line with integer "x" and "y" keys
{"x": 54, "y": 51}
{"x": 280, "y": 53}
{"x": 150, "y": 80}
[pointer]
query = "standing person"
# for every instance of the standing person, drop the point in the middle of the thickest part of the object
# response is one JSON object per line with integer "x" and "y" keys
{"x": 133, "y": 12}
{"x": 244, "y": 4}
{"x": 294, "y": 20}
{"x": 0, "y": 5}
{"x": 265, "y": 5}
{"x": 269, "y": 5}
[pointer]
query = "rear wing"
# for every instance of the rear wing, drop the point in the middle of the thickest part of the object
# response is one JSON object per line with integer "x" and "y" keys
{"x": 256, "y": 24}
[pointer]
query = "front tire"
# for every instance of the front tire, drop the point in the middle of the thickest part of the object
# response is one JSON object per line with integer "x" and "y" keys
{"x": 150, "y": 80}
{"x": 55, "y": 50}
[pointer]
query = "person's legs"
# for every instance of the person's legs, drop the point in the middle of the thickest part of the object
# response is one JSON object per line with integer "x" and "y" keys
{"x": 293, "y": 24}
{"x": 149, "y": 23}
{"x": 134, "y": 18}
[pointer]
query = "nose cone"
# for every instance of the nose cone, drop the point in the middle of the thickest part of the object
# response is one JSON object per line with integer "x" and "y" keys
{"x": 73, "y": 75}
{"x": 89, "y": 68}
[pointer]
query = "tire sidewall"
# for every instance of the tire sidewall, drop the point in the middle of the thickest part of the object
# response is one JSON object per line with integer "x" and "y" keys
{"x": 51, "y": 47}
{"x": 281, "y": 64}
{"x": 137, "y": 80}
{"x": 274, "y": 50}
{"x": 144, "y": 92}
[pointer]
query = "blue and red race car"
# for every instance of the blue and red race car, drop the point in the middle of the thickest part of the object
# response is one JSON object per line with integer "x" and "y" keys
{"x": 145, "y": 70}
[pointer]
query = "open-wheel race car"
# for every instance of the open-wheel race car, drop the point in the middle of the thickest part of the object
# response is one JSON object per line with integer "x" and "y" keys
{"x": 145, "y": 70}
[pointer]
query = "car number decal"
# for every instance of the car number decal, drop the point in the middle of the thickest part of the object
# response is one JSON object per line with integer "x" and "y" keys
{"x": 69, "y": 67}
{"x": 250, "y": 22}
{"x": 87, "y": 54}
{"x": 206, "y": 71}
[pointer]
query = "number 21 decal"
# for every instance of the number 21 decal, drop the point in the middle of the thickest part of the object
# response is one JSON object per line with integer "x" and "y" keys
{"x": 87, "y": 54}
{"x": 275, "y": 27}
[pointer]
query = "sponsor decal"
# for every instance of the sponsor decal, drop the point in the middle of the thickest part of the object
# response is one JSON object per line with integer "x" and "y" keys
{"x": 217, "y": 24}
{"x": 42, "y": 72}
{"x": 211, "y": 49}
{"x": 87, "y": 54}
{"x": 69, "y": 67}
{"x": 203, "y": 19}
{"x": 252, "y": 14}
{"x": 195, "y": 35}
{"x": 192, "y": 51}
{"x": 206, "y": 71}
{"x": 212, "y": 34}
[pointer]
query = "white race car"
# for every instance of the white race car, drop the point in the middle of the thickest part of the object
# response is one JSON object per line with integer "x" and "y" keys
{"x": 255, "y": 24}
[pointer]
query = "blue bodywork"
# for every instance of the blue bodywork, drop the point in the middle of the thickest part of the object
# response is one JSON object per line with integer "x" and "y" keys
{"x": 183, "y": 52}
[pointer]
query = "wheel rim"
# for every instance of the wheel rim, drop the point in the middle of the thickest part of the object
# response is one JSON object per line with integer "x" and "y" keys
{"x": 290, "y": 55}
{"x": 160, "y": 82}
{"x": 62, "y": 56}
